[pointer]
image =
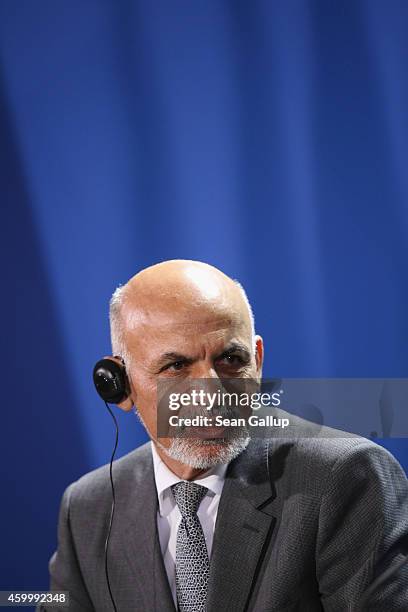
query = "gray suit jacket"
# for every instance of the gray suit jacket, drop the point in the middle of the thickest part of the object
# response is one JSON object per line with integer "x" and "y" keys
{"x": 303, "y": 525}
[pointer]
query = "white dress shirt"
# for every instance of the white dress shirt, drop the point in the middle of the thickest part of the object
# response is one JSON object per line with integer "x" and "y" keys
{"x": 168, "y": 514}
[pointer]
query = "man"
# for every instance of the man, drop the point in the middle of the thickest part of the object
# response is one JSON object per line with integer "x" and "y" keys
{"x": 218, "y": 524}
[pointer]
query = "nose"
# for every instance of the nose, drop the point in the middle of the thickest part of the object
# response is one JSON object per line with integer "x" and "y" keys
{"x": 203, "y": 369}
{"x": 204, "y": 377}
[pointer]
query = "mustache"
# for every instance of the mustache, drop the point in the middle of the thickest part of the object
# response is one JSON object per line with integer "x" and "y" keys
{"x": 181, "y": 430}
{"x": 217, "y": 410}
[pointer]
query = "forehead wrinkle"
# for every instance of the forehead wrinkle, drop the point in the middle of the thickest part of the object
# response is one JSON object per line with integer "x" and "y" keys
{"x": 175, "y": 312}
{"x": 176, "y": 336}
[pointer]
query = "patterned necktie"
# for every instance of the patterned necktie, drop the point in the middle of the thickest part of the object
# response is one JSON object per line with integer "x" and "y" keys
{"x": 192, "y": 563}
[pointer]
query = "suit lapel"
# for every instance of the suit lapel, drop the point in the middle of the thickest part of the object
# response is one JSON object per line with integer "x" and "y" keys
{"x": 143, "y": 573}
{"x": 243, "y": 530}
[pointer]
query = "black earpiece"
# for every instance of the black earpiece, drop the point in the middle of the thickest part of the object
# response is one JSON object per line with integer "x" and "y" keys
{"x": 112, "y": 384}
{"x": 111, "y": 381}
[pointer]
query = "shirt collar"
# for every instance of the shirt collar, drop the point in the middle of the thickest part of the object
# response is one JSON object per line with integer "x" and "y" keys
{"x": 213, "y": 479}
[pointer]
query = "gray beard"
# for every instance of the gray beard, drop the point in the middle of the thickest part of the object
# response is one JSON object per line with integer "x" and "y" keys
{"x": 204, "y": 454}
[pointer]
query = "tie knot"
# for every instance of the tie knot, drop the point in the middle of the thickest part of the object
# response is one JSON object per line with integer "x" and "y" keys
{"x": 188, "y": 496}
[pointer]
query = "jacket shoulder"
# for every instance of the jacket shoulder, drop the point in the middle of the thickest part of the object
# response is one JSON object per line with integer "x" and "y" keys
{"x": 95, "y": 486}
{"x": 311, "y": 455}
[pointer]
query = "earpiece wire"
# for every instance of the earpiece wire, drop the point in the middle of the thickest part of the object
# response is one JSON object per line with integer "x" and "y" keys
{"x": 112, "y": 512}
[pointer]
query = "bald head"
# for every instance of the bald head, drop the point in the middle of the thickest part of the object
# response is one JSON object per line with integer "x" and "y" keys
{"x": 177, "y": 292}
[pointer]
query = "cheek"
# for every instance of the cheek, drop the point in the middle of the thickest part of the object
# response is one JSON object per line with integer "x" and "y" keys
{"x": 252, "y": 371}
{"x": 145, "y": 393}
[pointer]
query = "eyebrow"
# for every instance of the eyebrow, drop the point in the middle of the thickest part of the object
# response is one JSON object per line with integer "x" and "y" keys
{"x": 237, "y": 347}
{"x": 172, "y": 356}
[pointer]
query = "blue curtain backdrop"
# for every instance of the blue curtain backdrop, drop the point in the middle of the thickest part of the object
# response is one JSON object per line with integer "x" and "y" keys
{"x": 267, "y": 138}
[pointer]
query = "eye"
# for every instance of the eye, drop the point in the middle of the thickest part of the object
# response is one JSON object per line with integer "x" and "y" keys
{"x": 175, "y": 366}
{"x": 234, "y": 360}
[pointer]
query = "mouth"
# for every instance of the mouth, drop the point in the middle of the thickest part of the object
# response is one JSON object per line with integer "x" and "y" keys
{"x": 206, "y": 433}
